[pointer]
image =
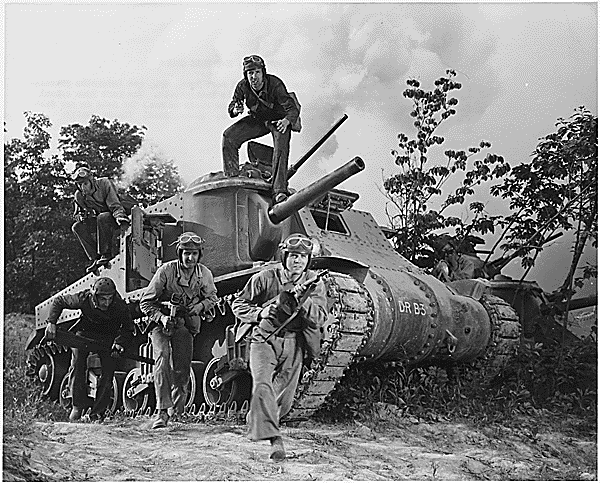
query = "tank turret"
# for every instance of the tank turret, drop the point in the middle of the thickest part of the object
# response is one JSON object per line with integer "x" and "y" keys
{"x": 380, "y": 306}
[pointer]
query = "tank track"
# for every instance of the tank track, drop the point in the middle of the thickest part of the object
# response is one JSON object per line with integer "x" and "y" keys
{"x": 506, "y": 333}
{"x": 347, "y": 329}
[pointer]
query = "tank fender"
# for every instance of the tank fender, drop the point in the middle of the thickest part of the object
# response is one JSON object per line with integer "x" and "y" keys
{"x": 473, "y": 287}
{"x": 34, "y": 338}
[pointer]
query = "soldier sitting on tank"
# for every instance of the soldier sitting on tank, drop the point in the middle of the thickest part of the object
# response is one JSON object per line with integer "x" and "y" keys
{"x": 457, "y": 266}
{"x": 276, "y": 360}
{"x": 191, "y": 283}
{"x": 106, "y": 318}
{"x": 271, "y": 109}
{"x": 99, "y": 210}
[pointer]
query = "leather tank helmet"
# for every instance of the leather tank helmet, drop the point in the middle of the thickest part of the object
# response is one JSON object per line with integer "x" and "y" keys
{"x": 103, "y": 286}
{"x": 189, "y": 241}
{"x": 254, "y": 62}
{"x": 296, "y": 243}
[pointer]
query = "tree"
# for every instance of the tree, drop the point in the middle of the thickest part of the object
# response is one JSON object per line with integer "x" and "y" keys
{"x": 557, "y": 190}
{"x": 154, "y": 178}
{"x": 417, "y": 187}
{"x": 37, "y": 218}
{"x": 103, "y": 145}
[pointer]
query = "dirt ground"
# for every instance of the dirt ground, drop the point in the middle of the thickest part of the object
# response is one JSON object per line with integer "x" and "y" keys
{"x": 125, "y": 449}
{"x": 389, "y": 447}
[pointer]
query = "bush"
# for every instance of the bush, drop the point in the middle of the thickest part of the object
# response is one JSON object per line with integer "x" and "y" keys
{"x": 542, "y": 378}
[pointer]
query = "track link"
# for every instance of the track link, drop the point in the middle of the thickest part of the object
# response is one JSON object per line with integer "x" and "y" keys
{"x": 346, "y": 330}
{"x": 506, "y": 332}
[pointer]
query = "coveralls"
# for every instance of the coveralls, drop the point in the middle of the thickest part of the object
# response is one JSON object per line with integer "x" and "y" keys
{"x": 171, "y": 383}
{"x": 276, "y": 364}
{"x": 257, "y": 124}
{"x": 114, "y": 325}
{"x": 97, "y": 212}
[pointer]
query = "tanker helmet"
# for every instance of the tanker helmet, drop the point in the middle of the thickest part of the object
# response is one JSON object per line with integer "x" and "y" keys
{"x": 254, "y": 62}
{"x": 296, "y": 243}
{"x": 104, "y": 286}
{"x": 189, "y": 241}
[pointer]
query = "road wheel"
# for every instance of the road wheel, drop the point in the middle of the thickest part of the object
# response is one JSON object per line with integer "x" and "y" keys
{"x": 142, "y": 400}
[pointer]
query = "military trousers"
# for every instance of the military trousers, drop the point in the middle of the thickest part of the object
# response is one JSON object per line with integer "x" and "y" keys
{"x": 249, "y": 128}
{"x": 275, "y": 366}
{"x": 172, "y": 363}
{"x": 104, "y": 225}
{"x": 78, "y": 380}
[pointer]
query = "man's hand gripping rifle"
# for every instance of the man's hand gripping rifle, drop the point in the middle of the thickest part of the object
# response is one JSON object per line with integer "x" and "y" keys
{"x": 289, "y": 302}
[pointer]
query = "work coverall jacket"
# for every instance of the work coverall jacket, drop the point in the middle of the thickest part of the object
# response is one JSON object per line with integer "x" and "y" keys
{"x": 280, "y": 105}
{"x": 171, "y": 383}
{"x": 112, "y": 326}
{"x": 276, "y": 363}
{"x": 97, "y": 212}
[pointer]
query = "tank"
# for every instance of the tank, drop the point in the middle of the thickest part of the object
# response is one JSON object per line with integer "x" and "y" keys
{"x": 380, "y": 306}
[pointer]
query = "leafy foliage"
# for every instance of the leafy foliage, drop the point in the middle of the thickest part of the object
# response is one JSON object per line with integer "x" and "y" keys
{"x": 42, "y": 255}
{"x": 36, "y": 219}
{"x": 543, "y": 378}
{"x": 418, "y": 187}
{"x": 102, "y": 144}
{"x": 557, "y": 190}
{"x": 155, "y": 179}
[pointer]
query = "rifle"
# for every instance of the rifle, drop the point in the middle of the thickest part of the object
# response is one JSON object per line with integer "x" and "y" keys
{"x": 309, "y": 287}
{"x": 70, "y": 339}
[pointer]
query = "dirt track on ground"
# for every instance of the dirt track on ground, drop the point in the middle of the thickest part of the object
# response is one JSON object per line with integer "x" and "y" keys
{"x": 124, "y": 449}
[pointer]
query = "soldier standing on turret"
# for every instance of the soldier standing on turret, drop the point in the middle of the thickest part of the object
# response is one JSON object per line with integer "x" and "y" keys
{"x": 276, "y": 360}
{"x": 271, "y": 109}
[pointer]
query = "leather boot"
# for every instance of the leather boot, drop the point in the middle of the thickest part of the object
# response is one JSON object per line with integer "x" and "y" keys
{"x": 277, "y": 449}
{"x": 161, "y": 420}
{"x": 75, "y": 414}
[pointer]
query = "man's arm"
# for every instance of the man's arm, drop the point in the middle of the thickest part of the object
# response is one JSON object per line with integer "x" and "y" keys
{"x": 125, "y": 336}
{"x": 315, "y": 306}
{"x": 238, "y": 98}
{"x": 209, "y": 290}
{"x": 150, "y": 300}
{"x": 112, "y": 200}
{"x": 246, "y": 305}
{"x": 59, "y": 303}
{"x": 284, "y": 99}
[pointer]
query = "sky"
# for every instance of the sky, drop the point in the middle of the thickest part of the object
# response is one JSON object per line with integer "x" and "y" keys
{"x": 173, "y": 68}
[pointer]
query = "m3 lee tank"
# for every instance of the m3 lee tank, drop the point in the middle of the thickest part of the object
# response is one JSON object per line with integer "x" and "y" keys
{"x": 380, "y": 306}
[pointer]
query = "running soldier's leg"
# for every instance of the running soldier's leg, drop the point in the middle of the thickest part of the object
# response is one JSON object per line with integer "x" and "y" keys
{"x": 263, "y": 417}
{"x": 104, "y": 389}
{"x": 286, "y": 379}
{"x": 79, "y": 377}
{"x": 182, "y": 343}
{"x": 163, "y": 377}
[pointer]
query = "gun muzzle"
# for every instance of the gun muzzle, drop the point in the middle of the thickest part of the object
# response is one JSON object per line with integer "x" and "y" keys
{"x": 298, "y": 200}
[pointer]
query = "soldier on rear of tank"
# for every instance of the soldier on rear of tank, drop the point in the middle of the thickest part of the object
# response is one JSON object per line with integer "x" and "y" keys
{"x": 276, "y": 360}
{"x": 106, "y": 319}
{"x": 192, "y": 284}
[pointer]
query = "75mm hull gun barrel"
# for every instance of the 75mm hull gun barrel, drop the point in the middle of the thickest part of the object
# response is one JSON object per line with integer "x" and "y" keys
{"x": 298, "y": 200}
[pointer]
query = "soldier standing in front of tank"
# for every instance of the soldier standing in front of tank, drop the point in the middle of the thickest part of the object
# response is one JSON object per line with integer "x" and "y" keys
{"x": 98, "y": 209}
{"x": 105, "y": 318}
{"x": 276, "y": 361}
{"x": 173, "y": 338}
{"x": 271, "y": 109}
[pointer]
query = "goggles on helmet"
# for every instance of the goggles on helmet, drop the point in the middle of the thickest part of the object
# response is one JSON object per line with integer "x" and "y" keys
{"x": 186, "y": 238}
{"x": 298, "y": 241}
{"x": 253, "y": 58}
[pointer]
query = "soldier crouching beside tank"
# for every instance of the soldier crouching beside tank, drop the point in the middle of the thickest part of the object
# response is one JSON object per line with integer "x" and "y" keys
{"x": 269, "y": 300}
{"x": 98, "y": 209}
{"x": 105, "y": 318}
{"x": 271, "y": 109}
{"x": 187, "y": 288}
